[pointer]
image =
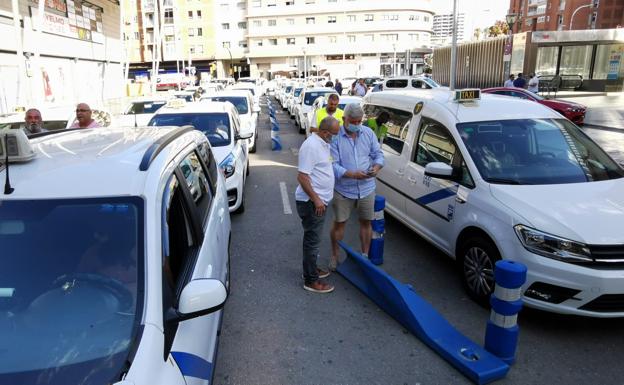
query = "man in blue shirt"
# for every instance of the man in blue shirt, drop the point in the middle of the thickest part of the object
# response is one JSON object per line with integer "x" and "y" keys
{"x": 520, "y": 81}
{"x": 357, "y": 158}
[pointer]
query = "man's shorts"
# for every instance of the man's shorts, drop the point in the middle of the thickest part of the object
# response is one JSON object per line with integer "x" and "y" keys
{"x": 342, "y": 207}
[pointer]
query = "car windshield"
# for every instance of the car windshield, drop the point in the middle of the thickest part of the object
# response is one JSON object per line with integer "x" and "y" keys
{"x": 187, "y": 97}
{"x": 536, "y": 151}
{"x": 70, "y": 289}
{"x": 298, "y": 91}
{"x": 310, "y": 97}
{"x": 216, "y": 126}
{"x": 534, "y": 95}
{"x": 288, "y": 89}
{"x": 48, "y": 125}
{"x": 432, "y": 83}
{"x": 145, "y": 107}
{"x": 239, "y": 102}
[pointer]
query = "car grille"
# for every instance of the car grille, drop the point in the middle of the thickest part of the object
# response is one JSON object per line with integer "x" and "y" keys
{"x": 607, "y": 255}
{"x": 607, "y": 303}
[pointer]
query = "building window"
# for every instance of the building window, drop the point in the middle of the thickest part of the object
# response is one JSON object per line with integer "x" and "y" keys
{"x": 393, "y": 17}
{"x": 331, "y": 19}
{"x": 290, "y": 21}
{"x": 242, "y": 43}
{"x": 604, "y": 64}
{"x": 169, "y": 16}
{"x": 242, "y": 25}
{"x": 546, "y": 63}
{"x": 310, "y": 20}
{"x": 191, "y": 31}
{"x": 199, "y": 14}
{"x": 272, "y": 23}
{"x": 576, "y": 60}
{"x": 389, "y": 36}
{"x": 290, "y": 41}
{"x": 199, "y": 48}
{"x": 257, "y": 23}
{"x": 369, "y": 37}
{"x": 351, "y": 18}
{"x": 226, "y": 44}
{"x": 256, "y": 3}
{"x": 369, "y": 17}
{"x": 190, "y": 14}
{"x": 272, "y": 41}
{"x": 199, "y": 32}
{"x": 414, "y": 37}
{"x": 309, "y": 40}
{"x": 191, "y": 49}
{"x": 241, "y": 5}
{"x": 560, "y": 20}
{"x": 225, "y": 26}
{"x": 169, "y": 38}
{"x": 426, "y": 18}
{"x": 414, "y": 17}
{"x": 332, "y": 39}
{"x": 259, "y": 43}
{"x": 271, "y": 3}
{"x": 290, "y": 2}
{"x": 340, "y": 57}
{"x": 351, "y": 38}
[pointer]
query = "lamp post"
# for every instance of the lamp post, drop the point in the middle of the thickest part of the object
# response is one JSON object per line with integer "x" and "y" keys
{"x": 229, "y": 52}
{"x": 454, "y": 48}
{"x": 394, "y": 60}
{"x": 305, "y": 67}
{"x": 575, "y": 11}
{"x": 511, "y": 20}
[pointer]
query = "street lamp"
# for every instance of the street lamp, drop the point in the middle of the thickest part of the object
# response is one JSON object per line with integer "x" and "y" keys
{"x": 305, "y": 67}
{"x": 511, "y": 21}
{"x": 394, "y": 60}
{"x": 575, "y": 11}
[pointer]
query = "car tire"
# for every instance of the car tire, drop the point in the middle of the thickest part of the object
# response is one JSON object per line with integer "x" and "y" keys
{"x": 246, "y": 172}
{"x": 477, "y": 257}
{"x": 253, "y": 149}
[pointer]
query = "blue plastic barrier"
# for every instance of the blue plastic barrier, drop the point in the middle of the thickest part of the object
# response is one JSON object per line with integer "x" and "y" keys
{"x": 418, "y": 316}
{"x": 501, "y": 333}
{"x": 375, "y": 252}
{"x": 276, "y": 141}
{"x": 274, "y": 124}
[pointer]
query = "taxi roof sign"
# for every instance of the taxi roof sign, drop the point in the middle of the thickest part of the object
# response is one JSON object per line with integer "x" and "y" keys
{"x": 467, "y": 95}
{"x": 15, "y": 146}
{"x": 176, "y": 103}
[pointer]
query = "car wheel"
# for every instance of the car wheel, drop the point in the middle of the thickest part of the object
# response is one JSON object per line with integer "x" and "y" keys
{"x": 477, "y": 257}
{"x": 253, "y": 149}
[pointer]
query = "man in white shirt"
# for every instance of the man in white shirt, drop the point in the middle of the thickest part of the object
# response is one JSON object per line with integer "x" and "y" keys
{"x": 509, "y": 82}
{"x": 315, "y": 191}
{"x": 360, "y": 88}
{"x": 534, "y": 84}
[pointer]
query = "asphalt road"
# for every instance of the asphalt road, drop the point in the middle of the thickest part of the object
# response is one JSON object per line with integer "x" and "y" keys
{"x": 274, "y": 332}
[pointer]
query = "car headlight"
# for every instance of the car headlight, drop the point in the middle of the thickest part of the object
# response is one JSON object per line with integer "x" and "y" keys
{"x": 552, "y": 246}
{"x": 227, "y": 165}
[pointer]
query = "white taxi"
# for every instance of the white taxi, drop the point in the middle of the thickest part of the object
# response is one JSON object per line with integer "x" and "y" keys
{"x": 113, "y": 272}
{"x": 304, "y": 108}
{"x": 247, "y": 111}
{"x": 495, "y": 177}
{"x": 219, "y": 121}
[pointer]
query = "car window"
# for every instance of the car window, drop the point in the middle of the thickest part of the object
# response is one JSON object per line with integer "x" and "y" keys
{"x": 419, "y": 84}
{"x": 436, "y": 144}
{"x": 240, "y": 102}
{"x": 397, "y": 126}
{"x": 145, "y": 107}
{"x": 500, "y": 92}
{"x": 205, "y": 153}
{"x": 197, "y": 182}
{"x": 536, "y": 151}
{"x": 72, "y": 281}
{"x": 310, "y": 97}
{"x": 518, "y": 94}
{"x": 298, "y": 92}
{"x": 396, "y": 83}
{"x": 216, "y": 126}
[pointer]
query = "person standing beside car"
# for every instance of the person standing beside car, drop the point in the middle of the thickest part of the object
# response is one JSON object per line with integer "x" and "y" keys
{"x": 315, "y": 191}
{"x": 83, "y": 117}
{"x": 520, "y": 81}
{"x": 357, "y": 158}
{"x": 533, "y": 84}
{"x": 331, "y": 109}
{"x": 509, "y": 82}
{"x": 338, "y": 87}
{"x": 360, "y": 88}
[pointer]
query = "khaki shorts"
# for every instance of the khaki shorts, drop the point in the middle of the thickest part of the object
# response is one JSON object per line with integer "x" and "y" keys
{"x": 342, "y": 207}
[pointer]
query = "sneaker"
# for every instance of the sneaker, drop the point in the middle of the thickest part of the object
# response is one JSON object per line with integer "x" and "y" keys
{"x": 318, "y": 287}
{"x": 321, "y": 273}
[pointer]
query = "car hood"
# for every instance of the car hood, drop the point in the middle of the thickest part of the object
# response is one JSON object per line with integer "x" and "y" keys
{"x": 561, "y": 104}
{"x": 221, "y": 152}
{"x": 591, "y": 212}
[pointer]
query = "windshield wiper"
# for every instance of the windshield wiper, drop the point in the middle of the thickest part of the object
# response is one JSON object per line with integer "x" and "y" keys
{"x": 504, "y": 181}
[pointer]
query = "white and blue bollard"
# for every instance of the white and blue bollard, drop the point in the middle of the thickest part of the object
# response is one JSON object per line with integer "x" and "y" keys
{"x": 276, "y": 141}
{"x": 375, "y": 252}
{"x": 501, "y": 333}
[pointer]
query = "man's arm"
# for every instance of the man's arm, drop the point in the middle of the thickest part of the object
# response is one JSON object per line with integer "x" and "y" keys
{"x": 306, "y": 185}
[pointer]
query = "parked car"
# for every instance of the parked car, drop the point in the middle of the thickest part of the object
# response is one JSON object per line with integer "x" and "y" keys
{"x": 303, "y": 109}
{"x": 573, "y": 111}
{"x": 140, "y": 111}
{"x": 409, "y": 82}
{"x": 221, "y": 124}
{"x": 112, "y": 271}
{"x": 321, "y": 102}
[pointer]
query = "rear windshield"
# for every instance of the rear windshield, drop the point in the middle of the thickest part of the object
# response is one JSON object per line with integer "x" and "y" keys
{"x": 310, "y": 97}
{"x": 298, "y": 91}
{"x": 145, "y": 107}
{"x": 216, "y": 126}
{"x": 239, "y": 102}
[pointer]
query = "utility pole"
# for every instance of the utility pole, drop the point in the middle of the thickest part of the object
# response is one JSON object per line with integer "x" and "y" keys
{"x": 454, "y": 48}
{"x": 20, "y": 51}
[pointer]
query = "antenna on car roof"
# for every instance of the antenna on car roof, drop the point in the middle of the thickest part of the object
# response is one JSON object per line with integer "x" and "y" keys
{"x": 7, "y": 183}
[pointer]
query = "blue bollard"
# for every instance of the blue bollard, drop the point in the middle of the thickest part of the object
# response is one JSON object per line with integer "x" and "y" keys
{"x": 276, "y": 141}
{"x": 375, "y": 252}
{"x": 501, "y": 333}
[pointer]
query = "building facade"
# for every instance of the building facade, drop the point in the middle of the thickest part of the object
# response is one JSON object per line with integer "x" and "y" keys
{"x": 565, "y": 15}
{"x": 443, "y": 29}
{"x": 338, "y": 37}
{"x": 74, "y": 57}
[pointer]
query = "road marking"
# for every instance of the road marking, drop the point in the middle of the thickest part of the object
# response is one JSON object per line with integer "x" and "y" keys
{"x": 285, "y": 201}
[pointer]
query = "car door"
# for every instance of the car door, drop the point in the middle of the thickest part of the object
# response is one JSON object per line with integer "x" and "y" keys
{"x": 390, "y": 180}
{"x": 191, "y": 251}
{"x": 431, "y": 202}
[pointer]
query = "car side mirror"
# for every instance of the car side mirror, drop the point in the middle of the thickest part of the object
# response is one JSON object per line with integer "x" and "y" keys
{"x": 244, "y": 135}
{"x": 439, "y": 170}
{"x": 199, "y": 297}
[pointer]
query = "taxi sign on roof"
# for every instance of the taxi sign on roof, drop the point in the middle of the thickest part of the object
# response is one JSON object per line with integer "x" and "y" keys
{"x": 176, "y": 103}
{"x": 467, "y": 95}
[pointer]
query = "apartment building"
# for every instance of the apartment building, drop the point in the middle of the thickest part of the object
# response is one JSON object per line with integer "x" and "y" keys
{"x": 443, "y": 28}
{"x": 340, "y": 37}
{"x": 565, "y": 15}
{"x": 231, "y": 45}
{"x": 75, "y": 55}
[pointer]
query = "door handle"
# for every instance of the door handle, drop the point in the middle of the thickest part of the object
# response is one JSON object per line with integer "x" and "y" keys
{"x": 460, "y": 200}
{"x": 412, "y": 180}
{"x": 399, "y": 172}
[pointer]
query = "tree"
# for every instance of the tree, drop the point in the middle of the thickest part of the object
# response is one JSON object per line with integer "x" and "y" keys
{"x": 499, "y": 28}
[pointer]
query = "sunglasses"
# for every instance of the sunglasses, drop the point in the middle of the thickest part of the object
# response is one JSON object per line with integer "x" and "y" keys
{"x": 80, "y": 110}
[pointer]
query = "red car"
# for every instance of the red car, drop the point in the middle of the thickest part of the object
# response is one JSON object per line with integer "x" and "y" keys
{"x": 573, "y": 111}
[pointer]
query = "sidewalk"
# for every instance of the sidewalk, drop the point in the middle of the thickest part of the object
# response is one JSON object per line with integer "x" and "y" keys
{"x": 604, "y": 110}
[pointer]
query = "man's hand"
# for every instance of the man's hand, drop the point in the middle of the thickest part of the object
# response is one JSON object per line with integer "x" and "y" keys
{"x": 319, "y": 207}
{"x": 374, "y": 170}
{"x": 357, "y": 174}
